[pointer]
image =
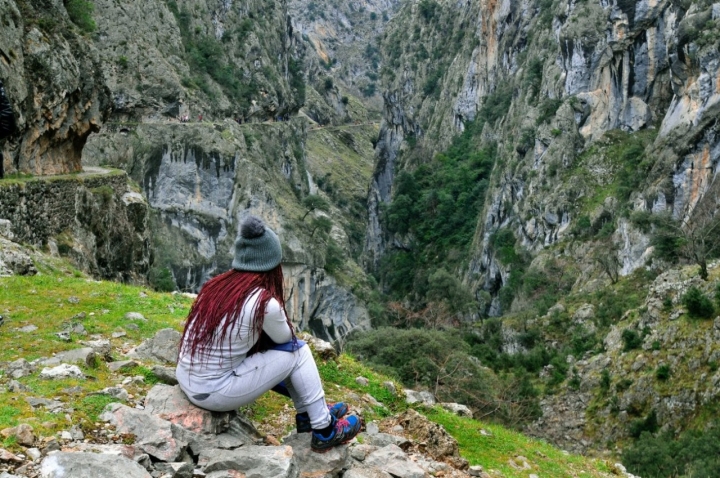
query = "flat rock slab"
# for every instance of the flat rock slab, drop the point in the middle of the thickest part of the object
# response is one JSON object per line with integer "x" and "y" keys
{"x": 154, "y": 435}
{"x": 328, "y": 464}
{"x": 62, "y": 371}
{"x": 166, "y": 375}
{"x": 391, "y": 459}
{"x": 84, "y": 355}
{"x": 362, "y": 472}
{"x": 163, "y": 347}
{"x": 252, "y": 461}
{"x": 170, "y": 403}
{"x": 90, "y": 465}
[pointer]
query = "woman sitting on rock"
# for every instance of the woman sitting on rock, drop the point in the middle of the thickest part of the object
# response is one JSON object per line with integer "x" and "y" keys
{"x": 238, "y": 343}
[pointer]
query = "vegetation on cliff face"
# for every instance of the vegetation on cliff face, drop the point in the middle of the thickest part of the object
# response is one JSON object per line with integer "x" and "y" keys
{"x": 598, "y": 185}
{"x": 434, "y": 213}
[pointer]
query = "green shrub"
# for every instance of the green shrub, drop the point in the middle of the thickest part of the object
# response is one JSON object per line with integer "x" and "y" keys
{"x": 648, "y": 424}
{"x": 623, "y": 385}
{"x": 334, "y": 256}
{"x": 436, "y": 206}
{"x": 548, "y": 108}
{"x": 496, "y": 104}
{"x": 297, "y": 82}
{"x": 696, "y": 454}
{"x": 663, "y": 372}
{"x": 80, "y": 12}
{"x": 161, "y": 279}
{"x": 698, "y": 304}
{"x": 605, "y": 380}
{"x": 428, "y": 9}
{"x": 434, "y": 359}
{"x": 631, "y": 340}
{"x": 667, "y": 304}
{"x": 432, "y": 83}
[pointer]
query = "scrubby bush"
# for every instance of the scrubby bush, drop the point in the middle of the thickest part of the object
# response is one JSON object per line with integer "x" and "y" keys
{"x": 631, "y": 340}
{"x": 80, "y": 12}
{"x": 648, "y": 424}
{"x": 698, "y": 304}
{"x": 161, "y": 279}
{"x": 428, "y": 9}
{"x": 436, "y": 207}
{"x": 696, "y": 454}
{"x": 440, "y": 360}
{"x": 663, "y": 372}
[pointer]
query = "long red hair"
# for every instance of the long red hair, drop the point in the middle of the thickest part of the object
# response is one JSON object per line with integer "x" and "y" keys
{"x": 224, "y": 295}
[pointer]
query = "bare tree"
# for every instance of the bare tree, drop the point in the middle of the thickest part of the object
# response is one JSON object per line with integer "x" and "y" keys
{"x": 606, "y": 256}
{"x": 314, "y": 202}
{"x": 434, "y": 315}
{"x": 695, "y": 238}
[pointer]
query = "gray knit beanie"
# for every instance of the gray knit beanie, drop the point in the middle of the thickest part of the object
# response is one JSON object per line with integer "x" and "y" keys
{"x": 258, "y": 247}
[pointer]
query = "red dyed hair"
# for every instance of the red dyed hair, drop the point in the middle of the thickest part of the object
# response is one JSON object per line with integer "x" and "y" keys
{"x": 224, "y": 295}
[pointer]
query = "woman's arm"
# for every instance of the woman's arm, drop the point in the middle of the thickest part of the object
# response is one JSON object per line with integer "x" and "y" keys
{"x": 275, "y": 324}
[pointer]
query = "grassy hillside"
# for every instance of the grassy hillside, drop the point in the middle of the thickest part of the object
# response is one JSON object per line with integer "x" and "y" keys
{"x": 61, "y": 299}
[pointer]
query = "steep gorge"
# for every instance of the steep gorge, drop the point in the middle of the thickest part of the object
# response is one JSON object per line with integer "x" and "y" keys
{"x": 585, "y": 114}
{"x": 597, "y": 116}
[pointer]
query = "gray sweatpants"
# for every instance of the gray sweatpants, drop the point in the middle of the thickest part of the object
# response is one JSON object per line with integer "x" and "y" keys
{"x": 262, "y": 371}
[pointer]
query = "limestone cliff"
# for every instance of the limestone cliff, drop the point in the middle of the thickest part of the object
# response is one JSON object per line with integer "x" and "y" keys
{"x": 130, "y": 71}
{"x": 343, "y": 59}
{"x": 597, "y": 113}
{"x": 54, "y": 80}
{"x": 549, "y": 80}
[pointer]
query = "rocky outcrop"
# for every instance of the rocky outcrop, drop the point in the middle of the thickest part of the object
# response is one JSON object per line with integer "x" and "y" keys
{"x": 320, "y": 305}
{"x": 621, "y": 386}
{"x": 214, "y": 59}
{"x": 93, "y": 218}
{"x": 550, "y": 82}
{"x": 163, "y": 434}
{"x": 341, "y": 46}
{"x": 201, "y": 180}
{"x": 54, "y": 81}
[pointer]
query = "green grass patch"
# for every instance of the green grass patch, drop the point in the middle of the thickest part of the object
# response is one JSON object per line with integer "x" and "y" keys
{"x": 60, "y": 297}
{"x": 91, "y": 406}
{"x": 497, "y": 446}
{"x": 8, "y": 415}
{"x": 345, "y": 370}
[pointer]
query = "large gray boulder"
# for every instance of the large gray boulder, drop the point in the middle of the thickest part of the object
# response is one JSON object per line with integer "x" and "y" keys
{"x": 171, "y": 404}
{"x": 163, "y": 347}
{"x": 90, "y": 465}
{"x": 328, "y": 464}
{"x": 391, "y": 459}
{"x": 153, "y": 435}
{"x": 253, "y": 461}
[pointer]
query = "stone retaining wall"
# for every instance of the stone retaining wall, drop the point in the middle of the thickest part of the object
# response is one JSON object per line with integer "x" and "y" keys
{"x": 95, "y": 220}
{"x": 42, "y": 208}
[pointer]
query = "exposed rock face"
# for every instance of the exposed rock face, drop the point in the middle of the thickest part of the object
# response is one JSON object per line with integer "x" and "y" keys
{"x": 318, "y": 304}
{"x": 550, "y": 82}
{"x": 54, "y": 81}
{"x": 595, "y": 413}
{"x": 173, "y": 432}
{"x": 342, "y": 38}
{"x": 146, "y": 65}
{"x": 201, "y": 181}
{"x": 143, "y": 45}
